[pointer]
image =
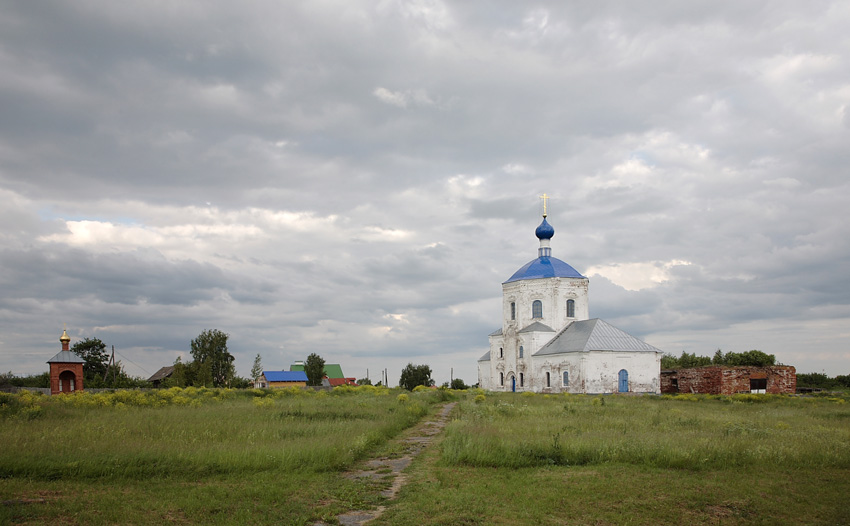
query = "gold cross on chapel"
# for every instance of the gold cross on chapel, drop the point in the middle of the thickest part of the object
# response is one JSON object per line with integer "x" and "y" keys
{"x": 545, "y": 198}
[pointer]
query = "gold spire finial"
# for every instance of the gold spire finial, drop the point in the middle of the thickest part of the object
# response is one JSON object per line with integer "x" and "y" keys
{"x": 545, "y": 199}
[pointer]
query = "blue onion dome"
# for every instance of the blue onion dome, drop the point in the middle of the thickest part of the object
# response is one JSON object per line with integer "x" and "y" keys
{"x": 545, "y": 230}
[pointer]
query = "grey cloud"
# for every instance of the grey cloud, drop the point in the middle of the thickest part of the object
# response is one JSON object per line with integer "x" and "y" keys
{"x": 132, "y": 112}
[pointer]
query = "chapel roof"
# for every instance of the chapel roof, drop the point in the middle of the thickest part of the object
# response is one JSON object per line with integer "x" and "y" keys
{"x": 485, "y": 358}
{"x": 593, "y": 335}
{"x": 66, "y": 357}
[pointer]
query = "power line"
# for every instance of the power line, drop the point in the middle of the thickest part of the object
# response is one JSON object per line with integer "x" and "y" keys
{"x": 134, "y": 363}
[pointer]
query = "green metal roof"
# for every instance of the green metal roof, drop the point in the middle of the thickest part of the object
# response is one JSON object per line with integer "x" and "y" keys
{"x": 332, "y": 370}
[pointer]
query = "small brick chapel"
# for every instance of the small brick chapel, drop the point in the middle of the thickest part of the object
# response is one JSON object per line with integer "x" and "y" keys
{"x": 66, "y": 369}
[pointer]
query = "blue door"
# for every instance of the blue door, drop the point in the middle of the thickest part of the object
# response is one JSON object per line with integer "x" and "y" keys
{"x": 513, "y": 383}
{"x": 624, "y": 381}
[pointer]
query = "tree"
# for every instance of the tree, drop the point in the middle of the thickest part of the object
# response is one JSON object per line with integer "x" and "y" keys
{"x": 181, "y": 376}
{"x": 213, "y": 363}
{"x": 692, "y": 360}
{"x": 364, "y": 381}
{"x": 93, "y": 351}
{"x": 257, "y": 369}
{"x": 718, "y": 358}
{"x": 314, "y": 366}
{"x": 668, "y": 361}
{"x": 413, "y": 375}
{"x": 754, "y": 358}
{"x": 457, "y": 383}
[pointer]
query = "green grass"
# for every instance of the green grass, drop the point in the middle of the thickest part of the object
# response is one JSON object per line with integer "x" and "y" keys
{"x": 193, "y": 456}
{"x": 262, "y": 457}
{"x": 512, "y": 459}
{"x": 686, "y": 432}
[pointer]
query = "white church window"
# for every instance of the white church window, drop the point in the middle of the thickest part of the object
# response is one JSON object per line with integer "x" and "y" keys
{"x": 521, "y": 379}
{"x": 548, "y": 380}
{"x": 520, "y": 351}
{"x": 566, "y": 378}
{"x": 501, "y": 353}
{"x": 571, "y": 309}
{"x": 501, "y": 378}
{"x": 537, "y": 309}
{"x": 513, "y": 310}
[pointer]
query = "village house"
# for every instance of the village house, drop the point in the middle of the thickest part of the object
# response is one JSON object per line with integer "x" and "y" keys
{"x": 161, "y": 375}
{"x": 333, "y": 375}
{"x": 280, "y": 379}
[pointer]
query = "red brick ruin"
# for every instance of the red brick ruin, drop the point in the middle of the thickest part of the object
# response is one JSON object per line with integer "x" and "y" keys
{"x": 718, "y": 379}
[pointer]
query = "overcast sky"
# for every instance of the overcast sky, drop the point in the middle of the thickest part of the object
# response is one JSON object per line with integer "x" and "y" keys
{"x": 358, "y": 178}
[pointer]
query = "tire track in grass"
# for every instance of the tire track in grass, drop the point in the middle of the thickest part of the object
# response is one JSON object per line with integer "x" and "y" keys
{"x": 384, "y": 468}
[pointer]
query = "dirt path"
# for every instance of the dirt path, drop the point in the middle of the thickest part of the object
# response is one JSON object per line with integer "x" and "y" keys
{"x": 386, "y": 468}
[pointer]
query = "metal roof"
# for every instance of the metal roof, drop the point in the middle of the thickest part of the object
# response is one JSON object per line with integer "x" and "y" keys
{"x": 285, "y": 376}
{"x": 593, "y": 335}
{"x": 331, "y": 370}
{"x": 66, "y": 357}
{"x": 537, "y": 327}
{"x": 485, "y": 358}
{"x": 164, "y": 372}
{"x": 544, "y": 267}
{"x": 496, "y": 332}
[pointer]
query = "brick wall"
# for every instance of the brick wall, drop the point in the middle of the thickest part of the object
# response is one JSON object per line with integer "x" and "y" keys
{"x": 717, "y": 379}
{"x": 58, "y": 368}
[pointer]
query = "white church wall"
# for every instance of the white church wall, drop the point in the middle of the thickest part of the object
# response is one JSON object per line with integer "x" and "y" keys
{"x": 484, "y": 375}
{"x": 597, "y": 372}
{"x": 553, "y": 293}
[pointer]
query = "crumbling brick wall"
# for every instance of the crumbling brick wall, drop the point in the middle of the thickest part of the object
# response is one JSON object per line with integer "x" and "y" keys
{"x": 716, "y": 379}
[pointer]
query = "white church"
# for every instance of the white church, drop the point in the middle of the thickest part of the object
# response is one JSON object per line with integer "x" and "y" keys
{"x": 548, "y": 344}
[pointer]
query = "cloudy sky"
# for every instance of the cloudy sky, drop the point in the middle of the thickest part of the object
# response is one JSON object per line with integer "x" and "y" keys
{"x": 358, "y": 178}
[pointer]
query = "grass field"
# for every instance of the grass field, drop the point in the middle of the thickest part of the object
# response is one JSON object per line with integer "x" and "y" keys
{"x": 193, "y": 456}
{"x": 196, "y": 456}
{"x": 747, "y": 459}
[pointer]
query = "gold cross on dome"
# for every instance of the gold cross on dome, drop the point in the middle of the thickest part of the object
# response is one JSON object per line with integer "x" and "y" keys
{"x": 545, "y": 198}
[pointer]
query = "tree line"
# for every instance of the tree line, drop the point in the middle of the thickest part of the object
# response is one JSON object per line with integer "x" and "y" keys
{"x": 754, "y": 358}
{"x": 211, "y": 366}
{"x": 822, "y": 381}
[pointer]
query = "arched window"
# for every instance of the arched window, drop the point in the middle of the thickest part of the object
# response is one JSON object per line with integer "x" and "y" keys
{"x": 521, "y": 379}
{"x": 537, "y": 309}
{"x": 548, "y": 382}
{"x": 501, "y": 353}
{"x": 501, "y": 378}
{"x": 513, "y": 310}
{"x": 571, "y": 309}
{"x": 520, "y": 351}
{"x": 566, "y": 378}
